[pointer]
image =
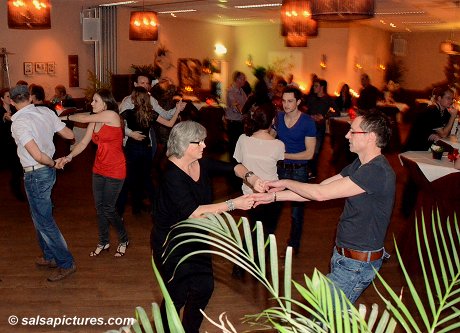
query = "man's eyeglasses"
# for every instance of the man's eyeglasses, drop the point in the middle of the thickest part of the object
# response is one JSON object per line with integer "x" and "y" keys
{"x": 198, "y": 142}
{"x": 357, "y": 132}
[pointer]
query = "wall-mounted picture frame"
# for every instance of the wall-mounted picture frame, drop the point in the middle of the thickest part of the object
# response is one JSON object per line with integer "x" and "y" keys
{"x": 28, "y": 68}
{"x": 51, "y": 67}
{"x": 40, "y": 67}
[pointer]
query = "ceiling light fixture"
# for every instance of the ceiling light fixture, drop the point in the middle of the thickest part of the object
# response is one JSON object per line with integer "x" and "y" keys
{"x": 401, "y": 13}
{"x": 342, "y": 10}
{"x": 259, "y": 5}
{"x": 29, "y": 14}
{"x": 296, "y": 23}
{"x": 177, "y": 11}
{"x": 120, "y": 3}
{"x": 143, "y": 25}
{"x": 449, "y": 47}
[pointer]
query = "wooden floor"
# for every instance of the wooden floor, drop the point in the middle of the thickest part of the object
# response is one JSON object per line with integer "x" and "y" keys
{"x": 112, "y": 287}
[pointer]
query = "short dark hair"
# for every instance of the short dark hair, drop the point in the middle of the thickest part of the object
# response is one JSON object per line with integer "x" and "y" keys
{"x": 38, "y": 91}
{"x": 136, "y": 76}
{"x": 236, "y": 75}
{"x": 3, "y": 91}
{"x": 441, "y": 91}
{"x": 297, "y": 93}
{"x": 19, "y": 93}
{"x": 378, "y": 123}
{"x": 107, "y": 98}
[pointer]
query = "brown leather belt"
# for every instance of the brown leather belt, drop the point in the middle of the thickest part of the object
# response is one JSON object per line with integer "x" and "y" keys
{"x": 366, "y": 256}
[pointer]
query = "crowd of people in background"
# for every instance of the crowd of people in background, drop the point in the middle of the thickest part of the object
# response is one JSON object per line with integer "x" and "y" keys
{"x": 275, "y": 138}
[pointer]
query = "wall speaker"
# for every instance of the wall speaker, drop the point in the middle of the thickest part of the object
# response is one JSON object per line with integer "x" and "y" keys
{"x": 91, "y": 29}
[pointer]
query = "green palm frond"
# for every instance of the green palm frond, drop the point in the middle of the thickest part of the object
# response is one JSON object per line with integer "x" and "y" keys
{"x": 322, "y": 309}
{"x": 440, "y": 266}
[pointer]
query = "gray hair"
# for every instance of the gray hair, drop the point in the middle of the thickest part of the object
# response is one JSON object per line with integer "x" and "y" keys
{"x": 181, "y": 135}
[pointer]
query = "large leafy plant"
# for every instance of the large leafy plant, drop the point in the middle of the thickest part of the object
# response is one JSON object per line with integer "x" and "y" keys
{"x": 322, "y": 308}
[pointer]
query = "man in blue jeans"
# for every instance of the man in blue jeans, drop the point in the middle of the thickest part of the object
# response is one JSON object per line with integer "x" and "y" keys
{"x": 369, "y": 185}
{"x": 298, "y": 133}
{"x": 33, "y": 129}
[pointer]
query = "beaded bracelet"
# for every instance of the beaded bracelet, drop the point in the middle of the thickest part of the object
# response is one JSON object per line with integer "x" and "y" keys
{"x": 230, "y": 205}
{"x": 274, "y": 196}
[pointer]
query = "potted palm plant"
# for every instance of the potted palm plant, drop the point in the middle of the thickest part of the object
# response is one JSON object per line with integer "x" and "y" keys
{"x": 324, "y": 309}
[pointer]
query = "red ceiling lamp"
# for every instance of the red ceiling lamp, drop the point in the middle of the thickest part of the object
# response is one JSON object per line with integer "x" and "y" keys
{"x": 342, "y": 10}
{"x": 29, "y": 14}
{"x": 143, "y": 25}
{"x": 296, "y": 23}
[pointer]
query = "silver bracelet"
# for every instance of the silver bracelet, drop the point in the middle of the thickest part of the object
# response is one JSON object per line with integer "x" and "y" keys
{"x": 230, "y": 205}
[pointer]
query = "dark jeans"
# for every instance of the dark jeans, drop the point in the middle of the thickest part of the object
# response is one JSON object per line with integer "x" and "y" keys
{"x": 300, "y": 175}
{"x": 139, "y": 177}
{"x": 105, "y": 192}
{"x": 38, "y": 185}
{"x": 192, "y": 293}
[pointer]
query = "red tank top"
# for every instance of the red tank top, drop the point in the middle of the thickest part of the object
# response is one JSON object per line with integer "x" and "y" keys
{"x": 110, "y": 160}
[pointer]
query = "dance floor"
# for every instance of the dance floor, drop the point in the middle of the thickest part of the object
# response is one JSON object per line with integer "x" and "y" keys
{"x": 106, "y": 286}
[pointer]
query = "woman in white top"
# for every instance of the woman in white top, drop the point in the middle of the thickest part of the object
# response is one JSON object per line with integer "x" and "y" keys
{"x": 258, "y": 152}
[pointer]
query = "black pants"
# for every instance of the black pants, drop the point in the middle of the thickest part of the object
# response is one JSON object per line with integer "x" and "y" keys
{"x": 192, "y": 293}
{"x": 234, "y": 130}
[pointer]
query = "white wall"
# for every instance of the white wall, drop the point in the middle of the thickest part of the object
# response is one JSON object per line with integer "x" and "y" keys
{"x": 424, "y": 63}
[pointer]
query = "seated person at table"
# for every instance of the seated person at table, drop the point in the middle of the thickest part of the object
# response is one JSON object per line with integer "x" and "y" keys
{"x": 61, "y": 99}
{"x": 343, "y": 102}
{"x": 435, "y": 122}
{"x": 368, "y": 95}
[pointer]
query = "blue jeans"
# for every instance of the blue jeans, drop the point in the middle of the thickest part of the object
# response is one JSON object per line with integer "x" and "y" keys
{"x": 300, "y": 175}
{"x": 38, "y": 185}
{"x": 105, "y": 192}
{"x": 352, "y": 276}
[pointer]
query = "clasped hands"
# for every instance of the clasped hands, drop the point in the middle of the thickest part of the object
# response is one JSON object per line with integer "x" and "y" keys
{"x": 266, "y": 190}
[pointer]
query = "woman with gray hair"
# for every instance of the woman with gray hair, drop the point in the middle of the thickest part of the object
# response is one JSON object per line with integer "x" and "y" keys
{"x": 186, "y": 192}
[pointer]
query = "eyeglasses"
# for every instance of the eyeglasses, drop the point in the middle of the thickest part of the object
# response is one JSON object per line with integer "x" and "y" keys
{"x": 358, "y": 132}
{"x": 198, "y": 142}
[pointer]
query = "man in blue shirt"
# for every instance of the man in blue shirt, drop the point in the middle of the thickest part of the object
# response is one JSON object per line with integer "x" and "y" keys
{"x": 298, "y": 133}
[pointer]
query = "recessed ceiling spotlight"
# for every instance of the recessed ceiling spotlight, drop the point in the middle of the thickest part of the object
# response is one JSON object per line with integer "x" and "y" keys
{"x": 383, "y": 22}
{"x": 259, "y": 5}
{"x": 392, "y": 25}
{"x": 119, "y": 3}
{"x": 178, "y": 11}
{"x": 402, "y": 13}
{"x": 422, "y": 22}
{"x": 221, "y": 5}
{"x": 223, "y": 1}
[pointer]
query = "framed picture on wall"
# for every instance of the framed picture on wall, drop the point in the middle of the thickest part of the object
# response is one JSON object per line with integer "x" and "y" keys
{"x": 28, "y": 68}
{"x": 40, "y": 67}
{"x": 51, "y": 67}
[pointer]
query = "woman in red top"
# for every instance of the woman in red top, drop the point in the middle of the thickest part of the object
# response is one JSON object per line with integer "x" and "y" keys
{"x": 105, "y": 129}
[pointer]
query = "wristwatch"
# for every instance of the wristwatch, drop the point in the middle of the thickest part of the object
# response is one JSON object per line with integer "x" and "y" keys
{"x": 247, "y": 175}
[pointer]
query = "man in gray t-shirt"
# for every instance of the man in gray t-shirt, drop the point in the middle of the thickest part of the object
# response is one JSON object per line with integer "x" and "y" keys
{"x": 369, "y": 185}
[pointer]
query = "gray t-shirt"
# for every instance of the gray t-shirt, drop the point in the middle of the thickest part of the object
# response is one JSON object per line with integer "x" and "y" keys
{"x": 365, "y": 217}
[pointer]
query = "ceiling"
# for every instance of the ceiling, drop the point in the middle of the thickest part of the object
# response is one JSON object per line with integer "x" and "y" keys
{"x": 406, "y": 15}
